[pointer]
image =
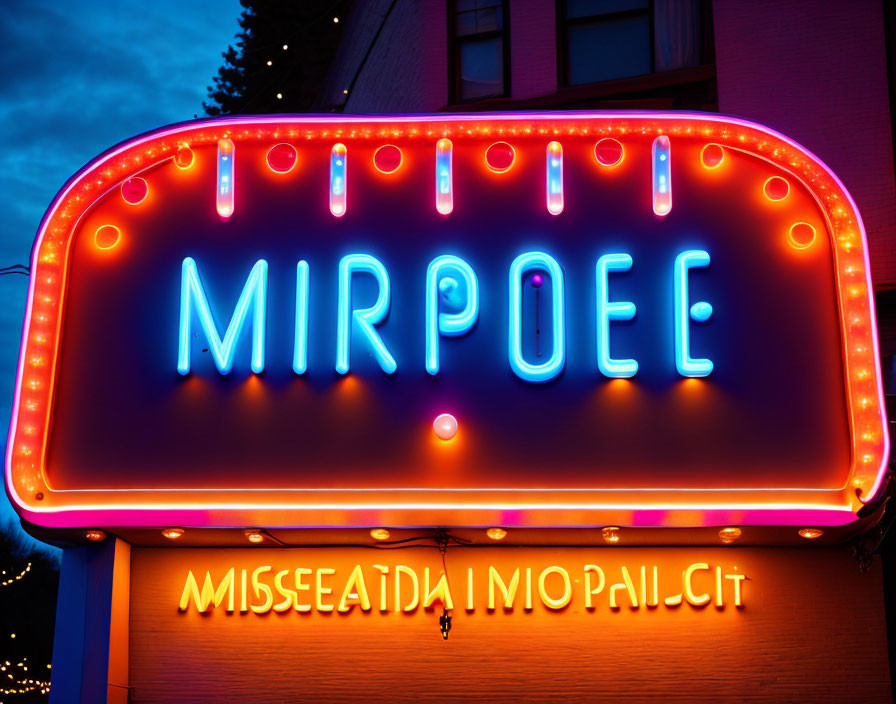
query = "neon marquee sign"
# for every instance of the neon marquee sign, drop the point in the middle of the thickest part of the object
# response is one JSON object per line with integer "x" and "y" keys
{"x": 531, "y": 319}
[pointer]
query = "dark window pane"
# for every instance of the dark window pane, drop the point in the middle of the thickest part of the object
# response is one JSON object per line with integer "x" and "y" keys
{"x": 587, "y": 8}
{"x": 479, "y": 21}
{"x": 606, "y": 50}
{"x": 464, "y": 5}
{"x": 466, "y": 24}
{"x": 677, "y": 28}
{"x": 481, "y": 69}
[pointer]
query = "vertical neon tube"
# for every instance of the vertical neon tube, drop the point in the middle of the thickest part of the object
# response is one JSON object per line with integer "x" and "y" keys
{"x": 441, "y": 284}
{"x": 536, "y": 373}
{"x": 662, "y": 176}
{"x": 338, "y": 157}
{"x": 364, "y": 319}
{"x": 554, "y": 182}
{"x": 444, "y": 177}
{"x": 608, "y": 312}
{"x": 685, "y": 312}
{"x": 225, "y": 178}
{"x": 300, "y": 351}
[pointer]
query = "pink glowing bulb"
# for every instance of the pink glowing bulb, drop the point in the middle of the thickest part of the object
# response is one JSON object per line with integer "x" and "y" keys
{"x": 445, "y": 426}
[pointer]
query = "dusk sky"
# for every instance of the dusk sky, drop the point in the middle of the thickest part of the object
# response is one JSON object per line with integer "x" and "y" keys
{"x": 75, "y": 79}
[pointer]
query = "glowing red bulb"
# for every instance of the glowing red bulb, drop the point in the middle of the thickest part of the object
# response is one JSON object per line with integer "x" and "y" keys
{"x": 387, "y": 159}
{"x": 712, "y": 156}
{"x": 282, "y": 158}
{"x": 183, "y": 158}
{"x": 776, "y": 188}
{"x": 801, "y": 235}
{"x": 107, "y": 236}
{"x": 134, "y": 190}
{"x": 608, "y": 151}
{"x": 499, "y": 157}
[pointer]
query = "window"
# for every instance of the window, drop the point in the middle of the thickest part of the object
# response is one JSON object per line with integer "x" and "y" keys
{"x": 603, "y": 40}
{"x": 481, "y": 46}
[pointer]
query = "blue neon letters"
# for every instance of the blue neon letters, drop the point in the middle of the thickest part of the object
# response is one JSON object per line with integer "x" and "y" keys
{"x": 440, "y": 284}
{"x": 254, "y": 294}
{"x": 300, "y": 350}
{"x": 365, "y": 318}
{"x": 607, "y": 311}
{"x": 684, "y": 312}
{"x": 525, "y": 370}
{"x": 452, "y": 305}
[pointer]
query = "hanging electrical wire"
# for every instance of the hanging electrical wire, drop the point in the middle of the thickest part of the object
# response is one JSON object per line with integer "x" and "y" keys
{"x": 15, "y": 269}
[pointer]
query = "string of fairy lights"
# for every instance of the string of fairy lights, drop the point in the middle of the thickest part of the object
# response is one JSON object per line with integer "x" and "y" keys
{"x": 18, "y": 680}
{"x": 25, "y": 684}
{"x": 11, "y": 580}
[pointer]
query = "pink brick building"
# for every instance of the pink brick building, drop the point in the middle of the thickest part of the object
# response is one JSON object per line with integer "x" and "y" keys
{"x": 815, "y": 70}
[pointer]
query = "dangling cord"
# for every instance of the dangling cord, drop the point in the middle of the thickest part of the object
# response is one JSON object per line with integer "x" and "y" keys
{"x": 445, "y": 618}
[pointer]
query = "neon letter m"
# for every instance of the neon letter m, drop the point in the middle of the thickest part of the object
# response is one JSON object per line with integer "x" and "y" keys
{"x": 223, "y": 351}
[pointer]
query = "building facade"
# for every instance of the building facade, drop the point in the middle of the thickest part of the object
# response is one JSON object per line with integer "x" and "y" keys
{"x": 816, "y": 71}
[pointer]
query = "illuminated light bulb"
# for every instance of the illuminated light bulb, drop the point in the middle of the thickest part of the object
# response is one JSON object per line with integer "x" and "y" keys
{"x": 106, "y": 236}
{"x": 173, "y": 533}
{"x": 445, "y": 426}
{"x": 134, "y": 190}
{"x": 335, "y": 20}
{"x": 379, "y": 534}
{"x": 282, "y": 158}
{"x": 801, "y": 235}
{"x": 608, "y": 152}
{"x": 95, "y": 535}
{"x": 444, "y": 177}
{"x": 554, "y": 178}
{"x": 279, "y": 96}
{"x": 338, "y": 159}
{"x": 662, "y": 176}
{"x": 729, "y": 535}
{"x": 811, "y": 533}
{"x": 254, "y": 536}
{"x": 499, "y": 157}
{"x": 387, "y": 159}
{"x": 285, "y": 47}
{"x": 270, "y": 63}
{"x": 776, "y": 188}
{"x": 183, "y": 158}
{"x": 610, "y": 534}
{"x": 496, "y": 533}
{"x": 224, "y": 201}
{"x": 711, "y": 156}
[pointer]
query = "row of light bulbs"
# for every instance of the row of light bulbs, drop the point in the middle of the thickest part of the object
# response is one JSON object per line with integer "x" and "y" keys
{"x": 610, "y": 534}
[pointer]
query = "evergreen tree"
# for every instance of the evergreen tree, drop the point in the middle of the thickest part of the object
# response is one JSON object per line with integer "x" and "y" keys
{"x": 284, "y": 48}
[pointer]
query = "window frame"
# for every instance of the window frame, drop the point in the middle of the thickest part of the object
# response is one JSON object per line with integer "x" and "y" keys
{"x": 454, "y": 44}
{"x": 564, "y": 24}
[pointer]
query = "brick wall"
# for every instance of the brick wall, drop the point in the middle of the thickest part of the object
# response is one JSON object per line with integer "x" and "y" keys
{"x": 407, "y": 69}
{"x": 816, "y": 71}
